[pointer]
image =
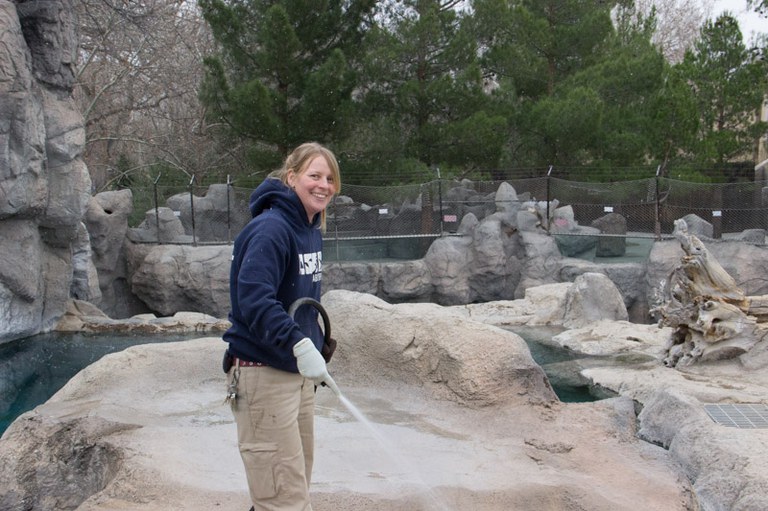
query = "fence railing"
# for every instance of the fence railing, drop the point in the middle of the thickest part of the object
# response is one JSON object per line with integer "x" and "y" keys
{"x": 400, "y": 221}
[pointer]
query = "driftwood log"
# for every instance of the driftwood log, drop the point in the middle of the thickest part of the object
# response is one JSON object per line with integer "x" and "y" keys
{"x": 711, "y": 317}
{"x": 758, "y": 307}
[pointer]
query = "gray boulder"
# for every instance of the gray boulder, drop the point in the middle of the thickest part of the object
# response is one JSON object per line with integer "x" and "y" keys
{"x": 572, "y": 239}
{"x": 541, "y": 263}
{"x": 219, "y": 214}
{"x": 506, "y": 199}
{"x": 160, "y": 225}
{"x": 434, "y": 347}
{"x": 107, "y": 222}
{"x": 173, "y": 278}
{"x": 753, "y": 236}
{"x": 629, "y": 279}
{"x": 612, "y": 224}
{"x": 450, "y": 261}
{"x": 593, "y": 297}
{"x": 699, "y": 227}
{"x": 497, "y": 257}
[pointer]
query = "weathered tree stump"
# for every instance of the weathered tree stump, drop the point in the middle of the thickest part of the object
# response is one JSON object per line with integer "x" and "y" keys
{"x": 758, "y": 307}
{"x": 711, "y": 316}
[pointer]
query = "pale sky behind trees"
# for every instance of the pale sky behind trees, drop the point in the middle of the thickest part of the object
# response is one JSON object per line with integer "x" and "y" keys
{"x": 750, "y": 22}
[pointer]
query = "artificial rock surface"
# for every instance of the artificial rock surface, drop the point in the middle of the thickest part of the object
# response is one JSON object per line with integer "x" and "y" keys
{"x": 453, "y": 414}
{"x": 44, "y": 184}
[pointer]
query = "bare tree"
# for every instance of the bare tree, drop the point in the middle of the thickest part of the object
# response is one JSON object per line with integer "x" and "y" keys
{"x": 139, "y": 69}
{"x": 677, "y": 23}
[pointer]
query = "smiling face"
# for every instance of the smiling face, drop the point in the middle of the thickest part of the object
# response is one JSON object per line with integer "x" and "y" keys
{"x": 315, "y": 186}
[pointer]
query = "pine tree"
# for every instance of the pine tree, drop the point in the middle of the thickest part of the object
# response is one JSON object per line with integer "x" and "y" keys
{"x": 729, "y": 83}
{"x": 283, "y": 74}
{"x": 422, "y": 92}
{"x": 538, "y": 43}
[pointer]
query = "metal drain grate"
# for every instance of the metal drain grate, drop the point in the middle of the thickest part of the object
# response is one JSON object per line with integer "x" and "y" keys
{"x": 745, "y": 416}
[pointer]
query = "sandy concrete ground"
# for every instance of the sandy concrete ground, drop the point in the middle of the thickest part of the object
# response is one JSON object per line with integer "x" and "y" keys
{"x": 414, "y": 453}
{"x": 400, "y": 451}
{"x": 404, "y": 450}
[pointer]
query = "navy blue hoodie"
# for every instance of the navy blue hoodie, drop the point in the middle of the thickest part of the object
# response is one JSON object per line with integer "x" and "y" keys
{"x": 276, "y": 259}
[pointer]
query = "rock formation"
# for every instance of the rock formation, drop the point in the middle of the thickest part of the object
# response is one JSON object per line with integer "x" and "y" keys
{"x": 460, "y": 399}
{"x": 107, "y": 222}
{"x": 44, "y": 184}
{"x": 218, "y": 215}
{"x": 472, "y": 421}
{"x": 85, "y": 317}
{"x": 707, "y": 309}
{"x": 727, "y": 466}
{"x": 428, "y": 347}
{"x": 494, "y": 258}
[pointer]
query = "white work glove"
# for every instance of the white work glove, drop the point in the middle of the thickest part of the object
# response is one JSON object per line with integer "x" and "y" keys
{"x": 312, "y": 365}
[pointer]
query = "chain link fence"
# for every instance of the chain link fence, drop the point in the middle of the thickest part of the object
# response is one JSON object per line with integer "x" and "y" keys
{"x": 400, "y": 222}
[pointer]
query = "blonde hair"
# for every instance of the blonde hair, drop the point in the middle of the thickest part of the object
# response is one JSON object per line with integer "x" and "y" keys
{"x": 299, "y": 159}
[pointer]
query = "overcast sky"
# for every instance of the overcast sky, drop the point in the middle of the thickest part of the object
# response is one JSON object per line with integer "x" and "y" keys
{"x": 749, "y": 20}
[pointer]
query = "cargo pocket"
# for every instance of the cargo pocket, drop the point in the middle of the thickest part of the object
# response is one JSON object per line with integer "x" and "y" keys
{"x": 259, "y": 460}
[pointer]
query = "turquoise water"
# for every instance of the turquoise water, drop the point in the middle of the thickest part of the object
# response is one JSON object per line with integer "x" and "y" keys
{"x": 35, "y": 368}
{"x": 367, "y": 250}
{"x": 560, "y": 365}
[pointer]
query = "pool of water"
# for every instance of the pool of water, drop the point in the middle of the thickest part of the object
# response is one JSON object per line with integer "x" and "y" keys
{"x": 367, "y": 250}
{"x": 561, "y": 366}
{"x": 34, "y": 369}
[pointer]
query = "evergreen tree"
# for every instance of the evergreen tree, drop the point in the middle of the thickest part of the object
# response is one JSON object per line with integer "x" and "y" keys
{"x": 729, "y": 83}
{"x": 592, "y": 103}
{"x": 673, "y": 120}
{"x": 626, "y": 76}
{"x": 283, "y": 74}
{"x": 538, "y": 43}
{"x": 422, "y": 98}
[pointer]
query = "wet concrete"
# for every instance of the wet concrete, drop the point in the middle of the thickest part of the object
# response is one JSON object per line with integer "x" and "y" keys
{"x": 422, "y": 454}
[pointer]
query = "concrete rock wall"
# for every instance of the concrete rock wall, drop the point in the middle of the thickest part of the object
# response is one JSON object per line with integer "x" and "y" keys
{"x": 44, "y": 184}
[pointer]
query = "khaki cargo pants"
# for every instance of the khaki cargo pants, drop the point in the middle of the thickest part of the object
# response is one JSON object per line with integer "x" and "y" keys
{"x": 274, "y": 413}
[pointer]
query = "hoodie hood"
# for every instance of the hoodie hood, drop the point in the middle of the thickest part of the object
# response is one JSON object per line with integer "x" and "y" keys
{"x": 273, "y": 193}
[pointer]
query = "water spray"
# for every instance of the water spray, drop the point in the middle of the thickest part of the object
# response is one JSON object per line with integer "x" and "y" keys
{"x": 434, "y": 503}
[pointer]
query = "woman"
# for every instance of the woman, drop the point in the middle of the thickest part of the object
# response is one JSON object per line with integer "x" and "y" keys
{"x": 275, "y": 360}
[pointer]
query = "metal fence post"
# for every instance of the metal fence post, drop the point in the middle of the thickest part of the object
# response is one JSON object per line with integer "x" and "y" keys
{"x": 717, "y": 213}
{"x": 657, "y": 209}
{"x": 548, "y": 196}
{"x": 764, "y": 206}
{"x": 229, "y": 210}
{"x": 192, "y": 210}
{"x": 336, "y": 227}
{"x": 157, "y": 209}
{"x": 440, "y": 199}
